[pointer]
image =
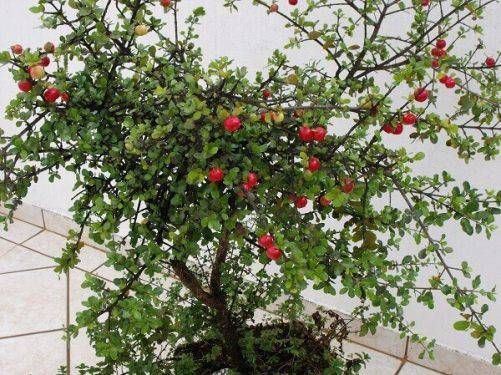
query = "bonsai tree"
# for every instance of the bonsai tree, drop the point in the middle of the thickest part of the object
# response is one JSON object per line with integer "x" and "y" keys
{"x": 237, "y": 191}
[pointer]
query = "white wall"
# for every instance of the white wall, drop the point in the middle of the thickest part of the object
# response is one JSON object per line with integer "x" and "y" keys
{"x": 249, "y": 37}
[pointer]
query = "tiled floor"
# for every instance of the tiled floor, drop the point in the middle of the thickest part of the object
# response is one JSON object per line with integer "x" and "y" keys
{"x": 37, "y": 304}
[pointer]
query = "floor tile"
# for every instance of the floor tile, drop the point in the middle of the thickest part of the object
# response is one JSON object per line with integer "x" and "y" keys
{"x": 52, "y": 244}
{"x": 412, "y": 369}
{"x": 451, "y": 361}
{"x": 30, "y": 214}
{"x": 5, "y": 246}
{"x": 32, "y": 301}
{"x": 378, "y": 363}
{"x": 40, "y": 354}
{"x": 82, "y": 351}
{"x": 20, "y": 258}
{"x": 18, "y": 231}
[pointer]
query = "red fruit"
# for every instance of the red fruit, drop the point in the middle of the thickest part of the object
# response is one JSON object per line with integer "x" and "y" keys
{"x": 65, "y": 97}
{"x": 49, "y": 47}
{"x": 216, "y": 175}
{"x": 273, "y": 8}
{"x": 450, "y": 83}
{"x": 25, "y": 86}
{"x": 348, "y": 185}
{"x": 252, "y": 179}
{"x": 441, "y": 43}
{"x": 388, "y": 128}
{"x": 324, "y": 202}
{"x": 301, "y": 201}
{"x": 36, "y": 72}
{"x": 165, "y": 3}
{"x": 247, "y": 187}
{"x": 435, "y": 64}
{"x": 232, "y": 124}
{"x": 51, "y": 95}
{"x": 293, "y": 2}
{"x": 409, "y": 118}
{"x": 274, "y": 253}
{"x": 45, "y": 61}
{"x": 319, "y": 134}
{"x": 435, "y": 51}
{"x": 490, "y": 62}
{"x": 399, "y": 128}
{"x": 425, "y": 3}
{"x": 16, "y": 49}
{"x": 443, "y": 79}
{"x": 263, "y": 116}
{"x": 266, "y": 94}
{"x": 266, "y": 241}
{"x": 313, "y": 164}
{"x": 421, "y": 94}
{"x": 306, "y": 134}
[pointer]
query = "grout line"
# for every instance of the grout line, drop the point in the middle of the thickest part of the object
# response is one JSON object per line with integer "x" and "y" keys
{"x": 31, "y": 333}
{"x": 36, "y": 234}
{"x": 395, "y": 356}
{"x": 43, "y": 219}
{"x": 68, "y": 337}
{"x": 401, "y": 366}
{"x": 27, "y": 270}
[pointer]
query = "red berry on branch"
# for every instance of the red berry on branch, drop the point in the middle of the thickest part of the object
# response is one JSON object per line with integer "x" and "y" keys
{"x": 306, "y": 134}
{"x": 293, "y": 2}
{"x": 216, "y": 175}
{"x": 313, "y": 164}
{"x": 16, "y": 49}
{"x": 301, "y": 201}
{"x": 450, "y": 83}
{"x": 435, "y": 51}
{"x": 490, "y": 62}
{"x": 348, "y": 185}
{"x": 266, "y": 240}
{"x": 25, "y": 86}
{"x": 165, "y": 3}
{"x": 388, "y": 128}
{"x": 65, "y": 97}
{"x": 273, "y": 8}
{"x": 443, "y": 78}
{"x": 324, "y": 202}
{"x": 425, "y": 3}
{"x": 274, "y": 253}
{"x": 441, "y": 43}
{"x": 319, "y": 133}
{"x": 232, "y": 124}
{"x": 409, "y": 118}
{"x": 398, "y": 129}
{"x": 421, "y": 94}
{"x": 266, "y": 94}
{"x": 51, "y": 94}
{"x": 435, "y": 63}
{"x": 45, "y": 61}
{"x": 252, "y": 179}
{"x": 36, "y": 72}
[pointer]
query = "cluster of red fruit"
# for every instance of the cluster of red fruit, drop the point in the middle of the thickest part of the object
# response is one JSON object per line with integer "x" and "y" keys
{"x": 408, "y": 118}
{"x": 438, "y": 52}
{"x": 266, "y": 241}
{"x": 37, "y": 72}
{"x": 448, "y": 81}
{"x": 307, "y": 134}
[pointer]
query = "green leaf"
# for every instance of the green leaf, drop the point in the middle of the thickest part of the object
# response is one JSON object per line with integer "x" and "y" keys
{"x": 461, "y": 325}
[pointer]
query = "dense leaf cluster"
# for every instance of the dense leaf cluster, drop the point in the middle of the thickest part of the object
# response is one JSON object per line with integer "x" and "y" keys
{"x": 144, "y": 123}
